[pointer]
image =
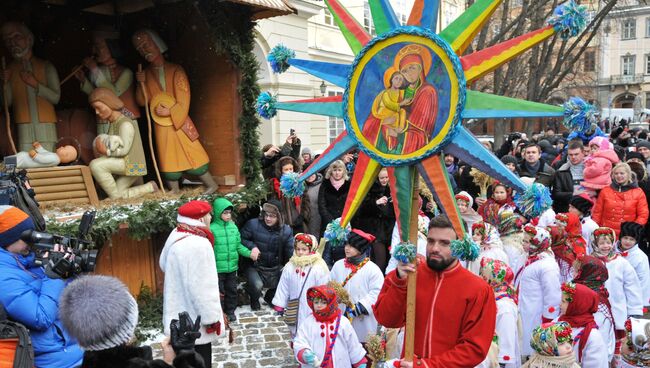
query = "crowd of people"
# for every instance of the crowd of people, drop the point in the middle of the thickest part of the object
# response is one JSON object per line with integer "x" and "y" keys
{"x": 557, "y": 290}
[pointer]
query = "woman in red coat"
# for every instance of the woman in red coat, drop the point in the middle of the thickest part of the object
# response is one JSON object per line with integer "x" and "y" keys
{"x": 622, "y": 201}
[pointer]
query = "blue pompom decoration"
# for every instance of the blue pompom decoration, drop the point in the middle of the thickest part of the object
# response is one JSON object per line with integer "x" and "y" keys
{"x": 279, "y": 58}
{"x": 265, "y": 105}
{"x": 405, "y": 252}
{"x": 534, "y": 201}
{"x": 569, "y": 19}
{"x": 578, "y": 115}
{"x": 291, "y": 185}
{"x": 465, "y": 249}
{"x": 336, "y": 234}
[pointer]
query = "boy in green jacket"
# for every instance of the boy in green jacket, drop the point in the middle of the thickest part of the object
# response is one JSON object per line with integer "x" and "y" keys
{"x": 227, "y": 249}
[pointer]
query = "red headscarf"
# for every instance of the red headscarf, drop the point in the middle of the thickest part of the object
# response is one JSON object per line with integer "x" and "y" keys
{"x": 580, "y": 312}
{"x": 567, "y": 244}
{"x": 592, "y": 272}
{"x": 324, "y": 292}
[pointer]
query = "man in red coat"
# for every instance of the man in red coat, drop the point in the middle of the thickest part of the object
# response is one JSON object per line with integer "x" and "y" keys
{"x": 455, "y": 309}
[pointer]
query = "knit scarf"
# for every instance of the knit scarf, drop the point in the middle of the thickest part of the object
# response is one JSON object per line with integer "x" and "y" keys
{"x": 203, "y": 232}
{"x": 314, "y": 260}
{"x": 533, "y": 170}
{"x": 543, "y": 361}
{"x": 580, "y": 313}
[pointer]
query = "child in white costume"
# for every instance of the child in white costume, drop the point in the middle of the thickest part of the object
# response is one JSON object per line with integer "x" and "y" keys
{"x": 592, "y": 272}
{"x": 628, "y": 248}
{"x": 305, "y": 269}
{"x": 363, "y": 281}
{"x": 538, "y": 283}
{"x": 552, "y": 343}
{"x": 500, "y": 277}
{"x": 623, "y": 283}
{"x": 465, "y": 202}
{"x": 326, "y": 338}
{"x": 487, "y": 237}
{"x": 579, "y": 303}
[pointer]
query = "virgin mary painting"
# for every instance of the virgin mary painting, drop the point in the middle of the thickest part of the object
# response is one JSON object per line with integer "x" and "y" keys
{"x": 403, "y": 115}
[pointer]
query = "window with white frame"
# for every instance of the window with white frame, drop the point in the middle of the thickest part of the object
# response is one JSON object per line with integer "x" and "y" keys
{"x": 401, "y": 12}
{"x": 647, "y": 64}
{"x": 327, "y": 17}
{"x": 627, "y": 64}
{"x": 336, "y": 125}
{"x": 629, "y": 29}
{"x": 367, "y": 18}
{"x": 647, "y": 27}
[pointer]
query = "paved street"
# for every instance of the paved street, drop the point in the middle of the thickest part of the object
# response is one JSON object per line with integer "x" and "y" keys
{"x": 261, "y": 340}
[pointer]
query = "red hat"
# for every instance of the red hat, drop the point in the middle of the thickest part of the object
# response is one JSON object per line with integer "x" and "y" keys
{"x": 195, "y": 209}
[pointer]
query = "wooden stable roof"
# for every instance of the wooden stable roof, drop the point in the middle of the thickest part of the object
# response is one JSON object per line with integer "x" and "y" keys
{"x": 261, "y": 8}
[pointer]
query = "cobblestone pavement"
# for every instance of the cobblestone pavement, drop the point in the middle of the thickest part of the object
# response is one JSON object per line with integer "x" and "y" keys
{"x": 261, "y": 340}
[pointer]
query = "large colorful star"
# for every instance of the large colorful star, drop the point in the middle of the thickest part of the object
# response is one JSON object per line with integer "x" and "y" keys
{"x": 407, "y": 128}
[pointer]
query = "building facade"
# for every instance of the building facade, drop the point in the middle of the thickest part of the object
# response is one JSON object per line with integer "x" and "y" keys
{"x": 624, "y": 75}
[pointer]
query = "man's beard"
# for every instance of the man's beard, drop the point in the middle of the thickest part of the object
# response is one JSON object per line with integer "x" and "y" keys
{"x": 439, "y": 265}
{"x": 18, "y": 52}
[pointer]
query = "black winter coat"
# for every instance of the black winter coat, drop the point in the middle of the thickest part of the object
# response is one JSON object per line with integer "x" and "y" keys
{"x": 545, "y": 175}
{"x": 375, "y": 219}
{"x": 137, "y": 357}
{"x": 331, "y": 202}
{"x": 562, "y": 189}
{"x": 275, "y": 243}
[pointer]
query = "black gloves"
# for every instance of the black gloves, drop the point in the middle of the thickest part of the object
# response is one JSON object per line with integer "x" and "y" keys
{"x": 184, "y": 332}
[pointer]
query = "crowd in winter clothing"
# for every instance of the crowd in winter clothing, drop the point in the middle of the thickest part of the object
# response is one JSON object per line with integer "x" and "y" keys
{"x": 557, "y": 290}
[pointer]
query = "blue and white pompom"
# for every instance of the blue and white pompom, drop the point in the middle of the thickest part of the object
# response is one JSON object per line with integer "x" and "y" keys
{"x": 279, "y": 58}
{"x": 569, "y": 19}
{"x": 534, "y": 201}
{"x": 578, "y": 115}
{"x": 405, "y": 252}
{"x": 265, "y": 105}
{"x": 336, "y": 234}
{"x": 465, "y": 249}
{"x": 291, "y": 185}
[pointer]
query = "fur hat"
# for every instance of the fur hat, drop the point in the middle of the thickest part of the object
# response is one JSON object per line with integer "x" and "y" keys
{"x": 13, "y": 222}
{"x": 273, "y": 206}
{"x": 582, "y": 203}
{"x": 99, "y": 312}
{"x": 360, "y": 240}
{"x": 509, "y": 159}
{"x": 631, "y": 229}
{"x": 195, "y": 209}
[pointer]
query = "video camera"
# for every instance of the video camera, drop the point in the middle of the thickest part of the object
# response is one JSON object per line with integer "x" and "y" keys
{"x": 56, "y": 264}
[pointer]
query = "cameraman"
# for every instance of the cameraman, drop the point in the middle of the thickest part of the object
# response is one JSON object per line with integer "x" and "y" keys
{"x": 30, "y": 296}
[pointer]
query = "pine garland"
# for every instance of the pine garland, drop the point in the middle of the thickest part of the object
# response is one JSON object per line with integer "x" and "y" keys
{"x": 148, "y": 218}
